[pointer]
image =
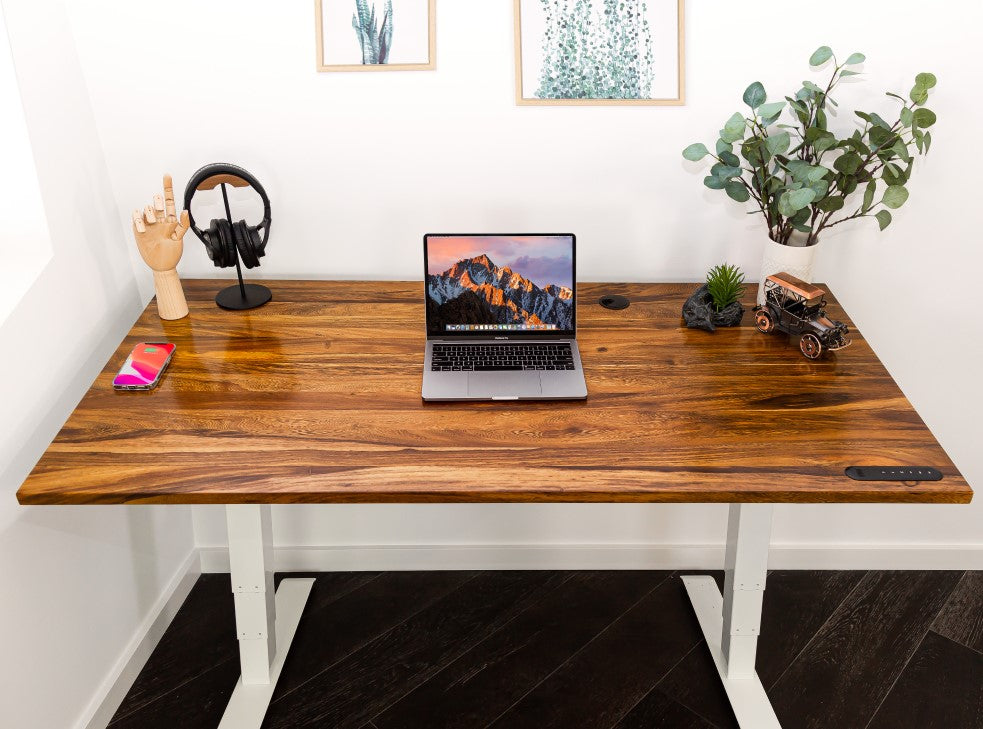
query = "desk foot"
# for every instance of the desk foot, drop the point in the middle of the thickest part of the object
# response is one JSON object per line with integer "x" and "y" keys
{"x": 248, "y": 705}
{"x": 747, "y": 696}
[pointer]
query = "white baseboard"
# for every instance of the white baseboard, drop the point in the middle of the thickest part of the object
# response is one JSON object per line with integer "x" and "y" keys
{"x": 116, "y": 685}
{"x": 601, "y": 557}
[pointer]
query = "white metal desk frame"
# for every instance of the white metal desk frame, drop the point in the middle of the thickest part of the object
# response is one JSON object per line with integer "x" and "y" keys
{"x": 266, "y": 621}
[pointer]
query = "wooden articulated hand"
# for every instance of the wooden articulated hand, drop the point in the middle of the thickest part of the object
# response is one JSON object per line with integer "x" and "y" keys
{"x": 160, "y": 238}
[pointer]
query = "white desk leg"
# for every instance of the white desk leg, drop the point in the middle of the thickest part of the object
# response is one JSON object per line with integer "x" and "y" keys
{"x": 731, "y": 622}
{"x": 265, "y": 625}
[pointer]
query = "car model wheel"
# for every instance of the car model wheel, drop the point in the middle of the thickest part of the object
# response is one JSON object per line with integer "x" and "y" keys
{"x": 763, "y": 322}
{"x": 811, "y": 346}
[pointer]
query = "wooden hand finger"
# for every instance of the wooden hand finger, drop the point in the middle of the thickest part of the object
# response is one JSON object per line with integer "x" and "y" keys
{"x": 169, "y": 197}
{"x": 182, "y": 227}
{"x": 159, "y": 207}
{"x": 138, "y": 225}
{"x": 148, "y": 213}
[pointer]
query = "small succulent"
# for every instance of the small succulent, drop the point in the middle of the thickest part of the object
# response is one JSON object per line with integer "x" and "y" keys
{"x": 725, "y": 284}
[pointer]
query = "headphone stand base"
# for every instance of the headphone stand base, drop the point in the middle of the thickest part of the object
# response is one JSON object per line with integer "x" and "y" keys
{"x": 232, "y": 298}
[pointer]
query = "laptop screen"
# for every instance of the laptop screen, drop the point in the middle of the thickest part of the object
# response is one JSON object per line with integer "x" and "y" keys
{"x": 500, "y": 285}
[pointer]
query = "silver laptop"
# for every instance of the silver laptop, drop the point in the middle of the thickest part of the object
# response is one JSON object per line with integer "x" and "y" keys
{"x": 501, "y": 318}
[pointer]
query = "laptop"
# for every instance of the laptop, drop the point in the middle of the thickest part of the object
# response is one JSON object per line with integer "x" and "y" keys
{"x": 501, "y": 318}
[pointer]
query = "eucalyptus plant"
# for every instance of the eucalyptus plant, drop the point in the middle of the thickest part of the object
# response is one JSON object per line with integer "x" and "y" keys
{"x": 802, "y": 176}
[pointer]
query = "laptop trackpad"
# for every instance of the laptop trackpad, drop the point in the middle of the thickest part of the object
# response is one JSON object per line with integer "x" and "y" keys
{"x": 505, "y": 384}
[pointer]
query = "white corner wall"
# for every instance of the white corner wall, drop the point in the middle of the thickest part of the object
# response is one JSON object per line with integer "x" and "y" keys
{"x": 359, "y": 166}
{"x": 80, "y": 584}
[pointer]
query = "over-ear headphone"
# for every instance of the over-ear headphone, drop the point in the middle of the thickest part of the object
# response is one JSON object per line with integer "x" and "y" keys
{"x": 224, "y": 238}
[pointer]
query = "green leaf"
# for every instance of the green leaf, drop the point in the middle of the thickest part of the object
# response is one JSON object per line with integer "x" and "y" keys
{"x": 928, "y": 141}
{"x": 901, "y": 149}
{"x": 812, "y": 87}
{"x": 767, "y": 110}
{"x": 801, "y": 216}
{"x": 895, "y": 196}
{"x": 737, "y": 191}
{"x": 714, "y": 183}
{"x": 792, "y": 201}
{"x": 725, "y": 171}
{"x": 880, "y": 137}
{"x": 723, "y": 146}
{"x": 906, "y": 116}
{"x": 900, "y": 98}
{"x": 830, "y": 204}
{"x": 855, "y": 58}
{"x": 869, "y": 196}
{"x": 754, "y": 95}
{"x": 734, "y": 129}
{"x": 778, "y": 143}
{"x": 883, "y": 218}
{"x": 924, "y": 118}
{"x": 864, "y": 115}
{"x": 918, "y": 94}
{"x": 696, "y": 152}
{"x": 820, "y": 187}
{"x": 820, "y": 56}
{"x": 820, "y": 118}
{"x": 847, "y": 72}
{"x": 925, "y": 80}
{"x": 848, "y": 163}
{"x": 729, "y": 158}
{"x": 824, "y": 143}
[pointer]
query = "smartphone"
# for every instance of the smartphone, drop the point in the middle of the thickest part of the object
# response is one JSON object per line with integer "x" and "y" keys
{"x": 144, "y": 367}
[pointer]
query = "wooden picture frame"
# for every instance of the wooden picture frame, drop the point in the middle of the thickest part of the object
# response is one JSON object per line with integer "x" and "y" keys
{"x": 678, "y": 99}
{"x": 429, "y": 65}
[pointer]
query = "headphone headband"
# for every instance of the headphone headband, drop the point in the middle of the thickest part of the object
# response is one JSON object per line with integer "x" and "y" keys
{"x": 225, "y": 173}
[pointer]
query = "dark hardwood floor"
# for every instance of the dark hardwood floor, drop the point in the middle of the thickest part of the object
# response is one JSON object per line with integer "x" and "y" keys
{"x": 572, "y": 650}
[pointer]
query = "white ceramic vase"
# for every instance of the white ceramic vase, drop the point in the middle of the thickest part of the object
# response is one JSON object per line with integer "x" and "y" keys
{"x": 796, "y": 258}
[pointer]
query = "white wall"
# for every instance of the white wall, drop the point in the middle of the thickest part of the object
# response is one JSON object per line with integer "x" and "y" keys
{"x": 360, "y": 165}
{"x": 78, "y": 583}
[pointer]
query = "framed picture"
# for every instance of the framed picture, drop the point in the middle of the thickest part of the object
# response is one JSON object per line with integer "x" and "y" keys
{"x": 612, "y": 52}
{"x": 375, "y": 35}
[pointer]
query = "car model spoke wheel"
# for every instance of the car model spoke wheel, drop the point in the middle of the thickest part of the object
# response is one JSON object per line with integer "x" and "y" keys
{"x": 811, "y": 346}
{"x": 763, "y": 322}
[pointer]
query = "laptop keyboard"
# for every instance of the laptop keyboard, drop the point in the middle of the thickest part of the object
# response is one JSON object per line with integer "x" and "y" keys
{"x": 488, "y": 357}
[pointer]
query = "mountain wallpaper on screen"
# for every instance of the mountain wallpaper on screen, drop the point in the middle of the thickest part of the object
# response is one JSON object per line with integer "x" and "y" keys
{"x": 476, "y": 291}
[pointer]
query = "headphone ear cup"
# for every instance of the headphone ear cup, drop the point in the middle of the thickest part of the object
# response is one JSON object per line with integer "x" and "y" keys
{"x": 227, "y": 244}
{"x": 256, "y": 240}
{"x": 245, "y": 244}
{"x": 213, "y": 244}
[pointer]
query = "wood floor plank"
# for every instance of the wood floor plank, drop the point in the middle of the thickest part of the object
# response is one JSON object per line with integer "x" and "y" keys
{"x": 845, "y": 672}
{"x": 489, "y": 678}
{"x": 206, "y": 622}
{"x": 602, "y": 682}
{"x": 195, "y": 704}
{"x": 796, "y": 604}
{"x": 658, "y": 711}
{"x": 364, "y": 683}
{"x": 327, "y": 634}
{"x": 940, "y": 688}
{"x": 961, "y": 619}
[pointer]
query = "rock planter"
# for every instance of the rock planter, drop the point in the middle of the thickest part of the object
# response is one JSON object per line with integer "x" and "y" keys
{"x": 700, "y": 313}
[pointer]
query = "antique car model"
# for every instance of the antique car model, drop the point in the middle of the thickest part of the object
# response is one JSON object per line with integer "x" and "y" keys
{"x": 798, "y": 308}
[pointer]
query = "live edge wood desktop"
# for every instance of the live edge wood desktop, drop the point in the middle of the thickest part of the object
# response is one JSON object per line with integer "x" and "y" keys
{"x": 315, "y": 398}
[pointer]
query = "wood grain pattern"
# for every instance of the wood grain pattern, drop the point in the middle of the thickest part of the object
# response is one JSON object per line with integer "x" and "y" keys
{"x": 961, "y": 619}
{"x": 941, "y": 688}
{"x": 797, "y": 604}
{"x": 488, "y": 679}
{"x": 608, "y": 677}
{"x": 856, "y": 657}
{"x": 315, "y": 398}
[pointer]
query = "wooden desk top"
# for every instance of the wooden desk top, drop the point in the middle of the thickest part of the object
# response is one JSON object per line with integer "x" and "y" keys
{"x": 315, "y": 398}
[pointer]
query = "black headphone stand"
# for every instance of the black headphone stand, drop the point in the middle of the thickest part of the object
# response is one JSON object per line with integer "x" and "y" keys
{"x": 243, "y": 295}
